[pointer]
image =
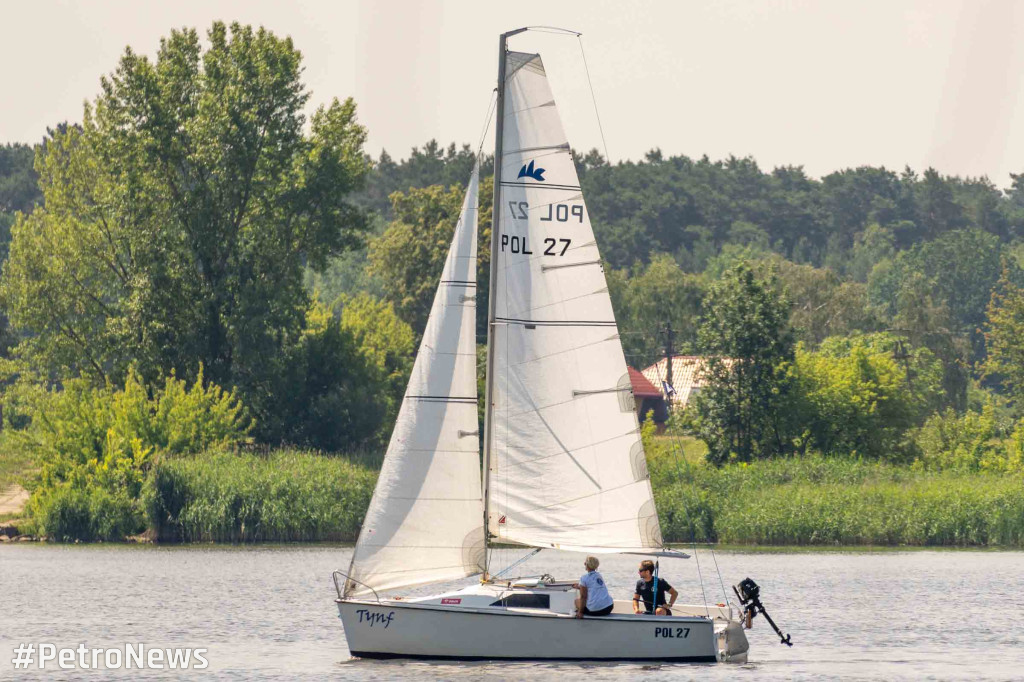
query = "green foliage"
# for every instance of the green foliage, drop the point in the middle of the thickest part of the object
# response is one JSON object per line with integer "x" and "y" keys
{"x": 960, "y": 268}
{"x": 408, "y": 257}
{"x": 853, "y": 398}
{"x": 822, "y": 304}
{"x": 387, "y": 344}
{"x": 971, "y": 442}
{"x": 871, "y": 246}
{"x": 347, "y": 273}
{"x": 431, "y": 165}
{"x": 95, "y": 446}
{"x": 648, "y": 298}
{"x": 928, "y": 512}
{"x": 745, "y": 332}
{"x": 19, "y": 191}
{"x": 286, "y": 496}
{"x": 814, "y": 500}
{"x": 949, "y": 441}
{"x": 336, "y": 396}
{"x": 18, "y": 188}
{"x": 179, "y": 215}
{"x": 691, "y": 208}
{"x": 922, "y": 371}
{"x": 1004, "y": 331}
{"x": 1012, "y": 459}
{"x": 935, "y": 294}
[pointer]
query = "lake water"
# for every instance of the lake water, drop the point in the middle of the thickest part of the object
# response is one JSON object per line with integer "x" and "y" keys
{"x": 268, "y": 613}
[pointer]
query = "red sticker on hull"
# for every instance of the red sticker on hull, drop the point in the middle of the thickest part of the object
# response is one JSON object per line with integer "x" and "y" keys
{"x": 451, "y": 600}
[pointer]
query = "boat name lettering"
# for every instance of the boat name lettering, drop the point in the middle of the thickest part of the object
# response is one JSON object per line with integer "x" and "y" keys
{"x": 672, "y": 633}
{"x": 371, "y": 619}
{"x": 451, "y": 600}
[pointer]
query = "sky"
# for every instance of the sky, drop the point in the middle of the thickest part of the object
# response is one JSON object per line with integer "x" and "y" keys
{"x": 822, "y": 84}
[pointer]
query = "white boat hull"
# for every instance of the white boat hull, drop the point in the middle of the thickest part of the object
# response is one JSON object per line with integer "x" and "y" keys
{"x": 412, "y": 630}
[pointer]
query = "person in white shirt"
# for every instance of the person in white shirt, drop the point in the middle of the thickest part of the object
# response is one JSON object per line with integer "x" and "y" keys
{"x": 594, "y": 599}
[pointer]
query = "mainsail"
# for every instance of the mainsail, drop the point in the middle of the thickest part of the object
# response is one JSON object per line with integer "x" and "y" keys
{"x": 425, "y": 521}
{"x": 566, "y": 466}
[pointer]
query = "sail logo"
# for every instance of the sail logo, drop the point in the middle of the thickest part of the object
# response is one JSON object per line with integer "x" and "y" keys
{"x": 528, "y": 171}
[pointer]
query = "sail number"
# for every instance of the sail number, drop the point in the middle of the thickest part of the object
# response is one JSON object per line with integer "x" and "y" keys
{"x": 561, "y": 213}
{"x": 671, "y": 633}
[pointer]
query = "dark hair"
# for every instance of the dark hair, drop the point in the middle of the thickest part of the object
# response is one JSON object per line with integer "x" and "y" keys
{"x": 647, "y": 565}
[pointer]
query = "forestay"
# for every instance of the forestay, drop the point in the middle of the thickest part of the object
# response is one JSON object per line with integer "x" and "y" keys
{"x": 425, "y": 521}
{"x": 566, "y": 465}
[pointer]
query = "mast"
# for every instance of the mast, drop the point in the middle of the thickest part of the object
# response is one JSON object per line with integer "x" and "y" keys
{"x": 492, "y": 287}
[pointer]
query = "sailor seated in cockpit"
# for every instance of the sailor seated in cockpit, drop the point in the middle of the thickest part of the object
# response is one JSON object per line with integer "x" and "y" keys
{"x": 645, "y": 592}
{"x": 594, "y": 599}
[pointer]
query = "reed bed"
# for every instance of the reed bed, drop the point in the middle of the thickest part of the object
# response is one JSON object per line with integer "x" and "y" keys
{"x": 821, "y": 501}
{"x": 296, "y": 496}
{"x": 280, "y": 496}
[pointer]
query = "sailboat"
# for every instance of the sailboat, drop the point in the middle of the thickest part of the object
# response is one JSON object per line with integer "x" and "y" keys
{"x": 563, "y": 463}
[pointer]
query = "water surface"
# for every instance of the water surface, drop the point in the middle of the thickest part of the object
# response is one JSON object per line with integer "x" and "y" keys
{"x": 268, "y": 613}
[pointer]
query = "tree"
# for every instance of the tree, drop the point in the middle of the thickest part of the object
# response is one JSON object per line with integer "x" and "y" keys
{"x": 822, "y": 304}
{"x": 386, "y": 343}
{"x": 1004, "y": 331}
{"x": 653, "y": 296}
{"x": 859, "y": 395}
{"x": 408, "y": 258}
{"x": 869, "y": 247}
{"x": 337, "y": 398}
{"x": 745, "y": 332}
{"x": 431, "y": 165}
{"x": 179, "y": 215}
{"x": 937, "y": 210}
{"x": 19, "y": 190}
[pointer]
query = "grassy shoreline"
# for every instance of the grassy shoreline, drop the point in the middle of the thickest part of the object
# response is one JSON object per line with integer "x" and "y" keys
{"x": 814, "y": 503}
{"x": 822, "y": 501}
{"x": 284, "y": 496}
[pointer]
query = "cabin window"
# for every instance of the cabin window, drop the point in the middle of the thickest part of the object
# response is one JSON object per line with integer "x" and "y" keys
{"x": 525, "y": 601}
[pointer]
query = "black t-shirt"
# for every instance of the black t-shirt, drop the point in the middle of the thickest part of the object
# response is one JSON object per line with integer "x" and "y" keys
{"x": 646, "y": 592}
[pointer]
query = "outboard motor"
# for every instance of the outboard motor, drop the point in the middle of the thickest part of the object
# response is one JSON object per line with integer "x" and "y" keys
{"x": 749, "y": 594}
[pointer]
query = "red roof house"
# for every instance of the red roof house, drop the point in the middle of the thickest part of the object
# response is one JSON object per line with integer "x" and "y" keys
{"x": 648, "y": 398}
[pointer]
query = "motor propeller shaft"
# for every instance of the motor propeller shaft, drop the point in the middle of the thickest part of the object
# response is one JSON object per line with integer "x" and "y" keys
{"x": 749, "y": 594}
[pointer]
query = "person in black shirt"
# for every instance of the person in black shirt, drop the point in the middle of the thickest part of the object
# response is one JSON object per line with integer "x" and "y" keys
{"x": 645, "y": 592}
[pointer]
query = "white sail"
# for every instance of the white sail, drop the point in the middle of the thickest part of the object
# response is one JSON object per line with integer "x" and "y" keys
{"x": 425, "y": 521}
{"x": 566, "y": 465}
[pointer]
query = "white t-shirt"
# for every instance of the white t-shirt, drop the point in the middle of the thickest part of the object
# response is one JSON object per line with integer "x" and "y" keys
{"x": 597, "y": 594}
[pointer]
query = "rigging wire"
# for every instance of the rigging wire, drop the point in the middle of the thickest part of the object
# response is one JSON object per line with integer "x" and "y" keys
{"x": 693, "y": 534}
{"x": 579, "y": 37}
{"x": 529, "y": 555}
{"x": 593, "y": 98}
{"x": 682, "y": 454}
{"x": 487, "y": 123}
{"x": 719, "y": 572}
{"x": 554, "y": 29}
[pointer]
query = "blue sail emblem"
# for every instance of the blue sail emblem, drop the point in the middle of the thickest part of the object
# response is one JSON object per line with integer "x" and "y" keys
{"x": 528, "y": 171}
